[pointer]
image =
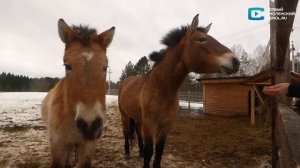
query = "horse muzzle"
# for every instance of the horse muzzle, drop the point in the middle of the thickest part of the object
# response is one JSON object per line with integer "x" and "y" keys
{"x": 229, "y": 64}
{"x": 90, "y": 131}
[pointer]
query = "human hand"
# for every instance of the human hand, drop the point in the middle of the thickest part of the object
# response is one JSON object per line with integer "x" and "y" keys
{"x": 280, "y": 89}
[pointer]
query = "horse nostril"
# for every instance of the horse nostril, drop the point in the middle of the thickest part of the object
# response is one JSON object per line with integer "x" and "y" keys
{"x": 81, "y": 125}
{"x": 97, "y": 123}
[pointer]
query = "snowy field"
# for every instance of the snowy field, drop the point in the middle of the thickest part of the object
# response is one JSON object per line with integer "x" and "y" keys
{"x": 22, "y": 109}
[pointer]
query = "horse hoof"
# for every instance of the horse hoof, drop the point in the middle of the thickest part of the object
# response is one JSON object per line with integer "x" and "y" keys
{"x": 127, "y": 156}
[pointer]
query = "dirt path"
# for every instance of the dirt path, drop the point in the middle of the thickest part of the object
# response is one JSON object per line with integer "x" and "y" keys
{"x": 195, "y": 142}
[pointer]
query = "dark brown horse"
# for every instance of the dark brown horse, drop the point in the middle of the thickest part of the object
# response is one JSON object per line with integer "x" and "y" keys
{"x": 149, "y": 103}
{"x": 74, "y": 110}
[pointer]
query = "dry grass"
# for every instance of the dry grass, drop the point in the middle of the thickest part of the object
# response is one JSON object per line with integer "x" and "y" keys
{"x": 221, "y": 141}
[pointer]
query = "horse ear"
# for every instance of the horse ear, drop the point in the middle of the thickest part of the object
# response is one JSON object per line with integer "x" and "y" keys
{"x": 206, "y": 29}
{"x": 64, "y": 31}
{"x": 195, "y": 22}
{"x": 106, "y": 37}
{"x": 193, "y": 26}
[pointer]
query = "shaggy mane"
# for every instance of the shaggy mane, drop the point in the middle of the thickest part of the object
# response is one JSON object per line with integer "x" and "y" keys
{"x": 171, "y": 39}
{"x": 174, "y": 36}
{"x": 156, "y": 56}
{"x": 84, "y": 34}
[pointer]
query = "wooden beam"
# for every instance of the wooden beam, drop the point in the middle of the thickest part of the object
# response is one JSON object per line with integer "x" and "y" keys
{"x": 252, "y": 106}
{"x": 204, "y": 97}
{"x": 259, "y": 96}
{"x": 262, "y": 83}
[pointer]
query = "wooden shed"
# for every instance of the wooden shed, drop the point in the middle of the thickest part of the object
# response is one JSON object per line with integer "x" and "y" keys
{"x": 226, "y": 96}
{"x": 234, "y": 95}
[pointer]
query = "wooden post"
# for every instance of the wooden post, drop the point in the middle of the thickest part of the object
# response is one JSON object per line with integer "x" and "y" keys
{"x": 273, "y": 100}
{"x": 259, "y": 96}
{"x": 279, "y": 33}
{"x": 203, "y": 98}
{"x": 189, "y": 99}
{"x": 252, "y": 105}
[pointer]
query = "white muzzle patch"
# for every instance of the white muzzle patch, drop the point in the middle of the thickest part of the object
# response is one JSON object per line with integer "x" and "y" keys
{"x": 89, "y": 115}
{"x": 226, "y": 63}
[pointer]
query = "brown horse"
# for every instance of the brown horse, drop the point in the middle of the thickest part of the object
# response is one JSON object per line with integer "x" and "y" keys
{"x": 74, "y": 110}
{"x": 150, "y": 103}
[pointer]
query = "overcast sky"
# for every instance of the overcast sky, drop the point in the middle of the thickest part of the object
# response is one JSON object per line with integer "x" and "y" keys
{"x": 30, "y": 45}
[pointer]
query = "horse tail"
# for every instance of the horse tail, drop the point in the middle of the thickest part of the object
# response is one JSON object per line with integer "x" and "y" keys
{"x": 131, "y": 131}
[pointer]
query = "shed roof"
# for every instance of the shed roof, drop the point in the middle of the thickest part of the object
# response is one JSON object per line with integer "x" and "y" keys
{"x": 223, "y": 80}
{"x": 262, "y": 78}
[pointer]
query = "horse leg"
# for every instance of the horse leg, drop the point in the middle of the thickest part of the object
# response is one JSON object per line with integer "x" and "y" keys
{"x": 86, "y": 150}
{"x": 140, "y": 139}
{"x": 126, "y": 133}
{"x": 148, "y": 144}
{"x": 61, "y": 154}
{"x": 159, "y": 149}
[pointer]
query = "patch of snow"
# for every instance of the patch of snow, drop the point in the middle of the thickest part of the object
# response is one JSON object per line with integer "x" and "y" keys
{"x": 20, "y": 108}
{"x": 193, "y": 105}
{"x": 111, "y": 99}
{"x": 23, "y": 108}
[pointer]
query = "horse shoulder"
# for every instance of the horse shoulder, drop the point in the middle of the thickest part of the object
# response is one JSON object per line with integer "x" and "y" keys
{"x": 51, "y": 100}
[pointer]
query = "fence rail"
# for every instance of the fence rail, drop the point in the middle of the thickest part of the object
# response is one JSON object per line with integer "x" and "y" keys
{"x": 190, "y": 96}
{"x": 112, "y": 92}
{"x": 186, "y": 96}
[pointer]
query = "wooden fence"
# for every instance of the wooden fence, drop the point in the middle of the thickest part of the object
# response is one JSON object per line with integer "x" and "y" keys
{"x": 190, "y": 96}
{"x": 186, "y": 96}
{"x": 112, "y": 92}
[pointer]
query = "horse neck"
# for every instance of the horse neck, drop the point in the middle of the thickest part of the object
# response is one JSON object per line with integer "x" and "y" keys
{"x": 171, "y": 71}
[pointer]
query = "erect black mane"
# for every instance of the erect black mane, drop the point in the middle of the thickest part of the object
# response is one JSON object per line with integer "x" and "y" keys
{"x": 174, "y": 36}
{"x": 171, "y": 39}
{"x": 156, "y": 56}
{"x": 83, "y": 34}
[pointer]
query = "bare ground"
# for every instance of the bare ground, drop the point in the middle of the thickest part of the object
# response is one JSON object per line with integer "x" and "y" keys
{"x": 203, "y": 141}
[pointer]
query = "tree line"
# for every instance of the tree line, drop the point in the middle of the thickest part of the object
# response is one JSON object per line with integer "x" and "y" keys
{"x": 10, "y": 82}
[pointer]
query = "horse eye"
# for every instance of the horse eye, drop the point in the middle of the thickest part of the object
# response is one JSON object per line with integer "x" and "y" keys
{"x": 201, "y": 39}
{"x": 68, "y": 67}
{"x": 105, "y": 68}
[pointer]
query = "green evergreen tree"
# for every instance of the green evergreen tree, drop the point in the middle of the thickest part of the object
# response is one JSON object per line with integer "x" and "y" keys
{"x": 128, "y": 71}
{"x": 16, "y": 83}
{"x": 142, "y": 66}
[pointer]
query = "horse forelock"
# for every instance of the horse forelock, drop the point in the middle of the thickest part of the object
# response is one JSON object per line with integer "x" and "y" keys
{"x": 84, "y": 34}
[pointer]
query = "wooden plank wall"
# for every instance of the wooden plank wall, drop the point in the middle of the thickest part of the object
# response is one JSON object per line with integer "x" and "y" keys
{"x": 226, "y": 99}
